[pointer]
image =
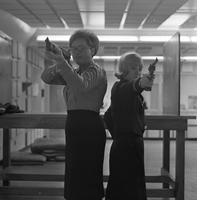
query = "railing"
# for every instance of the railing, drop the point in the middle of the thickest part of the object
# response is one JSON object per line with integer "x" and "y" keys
{"x": 171, "y": 187}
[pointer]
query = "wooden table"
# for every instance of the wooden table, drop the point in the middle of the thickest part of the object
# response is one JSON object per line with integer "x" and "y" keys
{"x": 172, "y": 187}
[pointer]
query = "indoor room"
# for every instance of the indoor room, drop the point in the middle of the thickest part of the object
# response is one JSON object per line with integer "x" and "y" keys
{"x": 63, "y": 69}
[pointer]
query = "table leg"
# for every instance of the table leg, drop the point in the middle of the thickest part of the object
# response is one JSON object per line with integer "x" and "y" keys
{"x": 180, "y": 165}
{"x": 6, "y": 152}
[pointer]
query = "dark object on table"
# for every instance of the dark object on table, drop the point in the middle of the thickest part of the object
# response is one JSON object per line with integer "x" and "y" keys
{"x": 9, "y": 108}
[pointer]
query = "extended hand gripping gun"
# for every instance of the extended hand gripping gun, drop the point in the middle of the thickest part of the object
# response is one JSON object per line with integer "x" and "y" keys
{"x": 151, "y": 70}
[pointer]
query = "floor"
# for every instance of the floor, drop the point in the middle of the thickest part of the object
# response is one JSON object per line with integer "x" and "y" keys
{"x": 153, "y": 160}
{"x": 153, "y": 163}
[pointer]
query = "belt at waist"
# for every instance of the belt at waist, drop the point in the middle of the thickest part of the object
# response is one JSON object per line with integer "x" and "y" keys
{"x": 74, "y": 112}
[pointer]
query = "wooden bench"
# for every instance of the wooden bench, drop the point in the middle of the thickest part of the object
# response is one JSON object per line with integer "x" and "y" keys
{"x": 54, "y": 172}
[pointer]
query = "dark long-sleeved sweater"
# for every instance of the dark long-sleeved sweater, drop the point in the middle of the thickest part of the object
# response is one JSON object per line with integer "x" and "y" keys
{"x": 126, "y": 112}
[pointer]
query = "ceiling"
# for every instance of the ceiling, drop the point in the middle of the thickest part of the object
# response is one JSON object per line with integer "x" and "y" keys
{"x": 120, "y": 17}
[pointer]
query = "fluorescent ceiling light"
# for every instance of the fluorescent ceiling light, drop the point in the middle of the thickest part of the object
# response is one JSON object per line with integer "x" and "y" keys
{"x": 64, "y": 22}
{"x": 124, "y": 16}
{"x": 106, "y": 57}
{"x": 189, "y": 58}
{"x": 194, "y": 38}
{"x": 174, "y": 21}
{"x": 160, "y": 58}
{"x": 3, "y": 36}
{"x": 89, "y": 19}
{"x": 162, "y": 38}
{"x": 117, "y": 38}
{"x": 102, "y": 38}
{"x": 57, "y": 38}
{"x": 185, "y": 39}
{"x": 123, "y": 20}
{"x": 91, "y": 5}
{"x": 154, "y": 38}
{"x": 92, "y": 13}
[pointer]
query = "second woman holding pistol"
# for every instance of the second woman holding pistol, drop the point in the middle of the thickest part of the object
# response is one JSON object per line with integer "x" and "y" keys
{"x": 125, "y": 121}
{"x": 85, "y": 134}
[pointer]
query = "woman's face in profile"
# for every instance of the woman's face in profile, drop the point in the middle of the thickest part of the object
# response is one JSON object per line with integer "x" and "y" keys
{"x": 81, "y": 52}
{"x": 133, "y": 70}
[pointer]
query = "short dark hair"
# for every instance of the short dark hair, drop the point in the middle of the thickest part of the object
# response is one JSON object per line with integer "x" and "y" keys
{"x": 90, "y": 37}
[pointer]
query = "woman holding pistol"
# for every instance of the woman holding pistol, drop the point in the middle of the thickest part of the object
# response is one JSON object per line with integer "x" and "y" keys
{"x": 125, "y": 120}
{"x": 85, "y": 133}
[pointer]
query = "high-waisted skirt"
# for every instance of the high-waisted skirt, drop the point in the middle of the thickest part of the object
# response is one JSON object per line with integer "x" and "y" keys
{"x": 85, "y": 145}
{"x": 127, "y": 176}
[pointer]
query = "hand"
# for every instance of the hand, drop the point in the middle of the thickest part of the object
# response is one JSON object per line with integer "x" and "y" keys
{"x": 55, "y": 49}
{"x": 146, "y": 82}
{"x": 57, "y": 57}
{"x": 66, "y": 53}
{"x": 61, "y": 66}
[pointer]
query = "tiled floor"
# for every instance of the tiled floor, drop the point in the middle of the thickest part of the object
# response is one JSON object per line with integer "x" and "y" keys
{"x": 153, "y": 160}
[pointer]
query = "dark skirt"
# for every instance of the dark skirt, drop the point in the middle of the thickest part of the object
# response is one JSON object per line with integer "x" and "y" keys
{"x": 85, "y": 145}
{"x": 127, "y": 176}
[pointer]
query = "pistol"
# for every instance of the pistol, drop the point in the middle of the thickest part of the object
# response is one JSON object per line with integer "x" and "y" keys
{"x": 56, "y": 50}
{"x": 51, "y": 47}
{"x": 151, "y": 70}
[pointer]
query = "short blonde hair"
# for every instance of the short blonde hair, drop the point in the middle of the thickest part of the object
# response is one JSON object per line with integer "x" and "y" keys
{"x": 135, "y": 60}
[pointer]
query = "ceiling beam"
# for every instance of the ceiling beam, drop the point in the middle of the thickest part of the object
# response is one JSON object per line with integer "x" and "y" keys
{"x": 134, "y": 32}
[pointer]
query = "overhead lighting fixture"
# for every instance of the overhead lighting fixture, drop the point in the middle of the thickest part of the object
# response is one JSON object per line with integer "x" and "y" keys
{"x": 185, "y": 39}
{"x": 89, "y": 19}
{"x": 106, "y": 57}
{"x": 160, "y": 58}
{"x": 64, "y": 22}
{"x": 174, "y": 21}
{"x": 91, "y": 10}
{"x": 194, "y": 38}
{"x": 163, "y": 38}
{"x": 189, "y": 58}
{"x": 124, "y": 16}
{"x": 102, "y": 38}
{"x": 154, "y": 38}
{"x": 55, "y": 38}
{"x": 117, "y": 38}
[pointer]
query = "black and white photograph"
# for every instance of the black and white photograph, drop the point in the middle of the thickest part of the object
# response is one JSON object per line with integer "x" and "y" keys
{"x": 98, "y": 99}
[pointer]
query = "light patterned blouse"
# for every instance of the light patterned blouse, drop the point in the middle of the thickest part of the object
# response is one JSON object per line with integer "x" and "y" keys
{"x": 83, "y": 91}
